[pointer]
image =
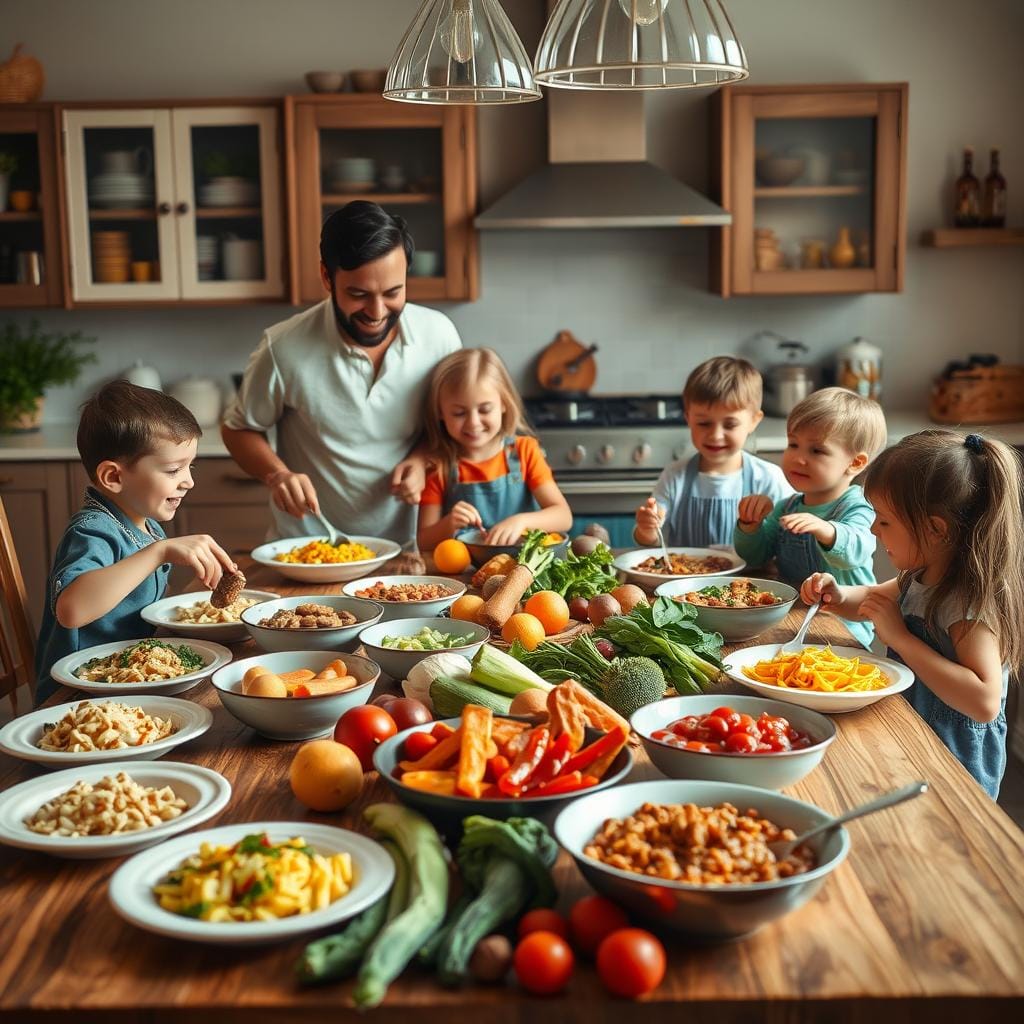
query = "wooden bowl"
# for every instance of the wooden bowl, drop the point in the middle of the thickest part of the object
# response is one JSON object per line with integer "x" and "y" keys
{"x": 368, "y": 81}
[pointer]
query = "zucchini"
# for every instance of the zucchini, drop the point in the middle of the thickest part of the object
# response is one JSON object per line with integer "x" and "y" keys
{"x": 449, "y": 696}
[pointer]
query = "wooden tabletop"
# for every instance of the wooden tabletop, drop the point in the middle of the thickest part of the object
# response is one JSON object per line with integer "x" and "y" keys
{"x": 924, "y": 920}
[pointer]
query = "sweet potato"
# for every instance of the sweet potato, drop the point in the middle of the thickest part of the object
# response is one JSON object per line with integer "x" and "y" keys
{"x": 567, "y": 715}
{"x": 320, "y": 687}
{"x": 473, "y": 753}
{"x": 442, "y": 783}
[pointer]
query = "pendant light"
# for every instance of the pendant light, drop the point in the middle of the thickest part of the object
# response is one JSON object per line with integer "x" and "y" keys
{"x": 461, "y": 51}
{"x": 639, "y": 44}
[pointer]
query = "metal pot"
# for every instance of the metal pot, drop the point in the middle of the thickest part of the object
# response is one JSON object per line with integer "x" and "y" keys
{"x": 787, "y": 383}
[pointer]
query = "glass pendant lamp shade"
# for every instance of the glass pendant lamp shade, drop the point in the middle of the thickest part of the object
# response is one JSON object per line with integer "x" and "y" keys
{"x": 639, "y": 44}
{"x": 461, "y": 51}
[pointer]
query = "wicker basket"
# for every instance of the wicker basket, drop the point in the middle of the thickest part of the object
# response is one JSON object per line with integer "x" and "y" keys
{"x": 21, "y": 78}
{"x": 982, "y": 394}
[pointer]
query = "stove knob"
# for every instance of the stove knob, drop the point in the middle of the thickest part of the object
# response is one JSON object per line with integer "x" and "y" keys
{"x": 641, "y": 453}
{"x": 576, "y": 455}
{"x": 606, "y": 454}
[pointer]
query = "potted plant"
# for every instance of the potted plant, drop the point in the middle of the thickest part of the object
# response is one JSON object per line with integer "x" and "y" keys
{"x": 32, "y": 360}
{"x": 8, "y": 165}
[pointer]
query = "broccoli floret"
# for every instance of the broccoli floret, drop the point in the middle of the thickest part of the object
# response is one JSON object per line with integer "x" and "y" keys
{"x": 633, "y": 682}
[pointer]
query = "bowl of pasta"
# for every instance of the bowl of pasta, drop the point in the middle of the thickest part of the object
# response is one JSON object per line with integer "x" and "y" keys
{"x": 735, "y": 606}
{"x": 153, "y": 665}
{"x": 194, "y": 615}
{"x": 314, "y": 560}
{"x": 827, "y": 679}
{"x": 645, "y": 566}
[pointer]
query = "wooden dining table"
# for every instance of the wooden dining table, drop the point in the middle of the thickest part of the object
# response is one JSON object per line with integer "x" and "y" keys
{"x": 923, "y": 922}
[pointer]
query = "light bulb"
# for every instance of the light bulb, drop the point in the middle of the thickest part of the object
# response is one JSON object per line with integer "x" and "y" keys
{"x": 458, "y": 34}
{"x": 647, "y": 11}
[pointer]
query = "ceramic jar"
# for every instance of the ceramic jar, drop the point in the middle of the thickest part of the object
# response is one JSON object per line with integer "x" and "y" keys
{"x": 201, "y": 397}
{"x": 842, "y": 254}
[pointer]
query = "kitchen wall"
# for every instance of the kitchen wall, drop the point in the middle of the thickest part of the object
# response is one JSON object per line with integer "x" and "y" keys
{"x": 641, "y": 295}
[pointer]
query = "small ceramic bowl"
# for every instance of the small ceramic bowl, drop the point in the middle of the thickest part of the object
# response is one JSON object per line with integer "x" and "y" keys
{"x": 398, "y": 664}
{"x": 733, "y": 623}
{"x": 325, "y": 81}
{"x": 340, "y": 638}
{"x": 408, "y": 609}
{"x": 779, "y": 171}
{"x": 368, "y": 81}
{"x": 480, "y": 551}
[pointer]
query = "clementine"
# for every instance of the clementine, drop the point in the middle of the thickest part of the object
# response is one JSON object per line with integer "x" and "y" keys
{"x": 525, "y": 628}
{"x": 451, "y": 556}
{"x": 466, "y": 607}
{"x": 551, "y": 609}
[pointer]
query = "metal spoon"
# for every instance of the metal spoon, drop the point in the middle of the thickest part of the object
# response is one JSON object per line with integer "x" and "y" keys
{"x": 334, "y": 537}
{"x": 784, "y": 847}
{"x": 664, "y": 550}
{"x": 796, "y": 644}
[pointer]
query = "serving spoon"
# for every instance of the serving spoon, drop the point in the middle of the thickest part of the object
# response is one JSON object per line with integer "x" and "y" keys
{"x": 782, "y": 848}
{"x": 334, "y": 537}
{"x": 664, "y": 550}
{"x": 796, "y": 644}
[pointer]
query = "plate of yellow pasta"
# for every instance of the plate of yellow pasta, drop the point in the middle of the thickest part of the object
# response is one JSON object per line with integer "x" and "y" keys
{"x": 252, "y": 883}
{"x": 193, "y": 615}
{"x": 314, "y": 560}
{"x": 829, "y": 679}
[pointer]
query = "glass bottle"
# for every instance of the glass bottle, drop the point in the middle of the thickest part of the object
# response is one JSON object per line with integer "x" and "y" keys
{"x": 993, "y": 204}
{"x": 967, "y": 203}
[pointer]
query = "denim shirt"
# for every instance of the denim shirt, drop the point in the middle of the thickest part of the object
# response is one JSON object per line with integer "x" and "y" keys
{"x": 98, "y": 535}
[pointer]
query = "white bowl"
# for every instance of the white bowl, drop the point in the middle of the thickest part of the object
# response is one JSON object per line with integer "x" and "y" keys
{"x": 341, "y": 638}
{"x": 732, "y": 623}
{"x": 398, "y": 664}
{"x": 336, "y": 573}
{"x": 408, "y": 609}
{"x": 293, "y": 718}
{"x": 20, "y": 736}
{"x": 161, "y": 614}
{"x": 625, "y": 562}
{"x": 131, "y": 887}
{"x": 772, "y": 771}
{"x": 213, "y": 655}
{"x": 205, "y": 792}
{"x": 817, "y": 700}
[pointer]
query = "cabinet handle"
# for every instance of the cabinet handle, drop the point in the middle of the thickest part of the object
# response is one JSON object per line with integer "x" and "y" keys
{"x": 163, "y": 209}
{"x": 181, "y": 208}
{"x": 231, "y": 478}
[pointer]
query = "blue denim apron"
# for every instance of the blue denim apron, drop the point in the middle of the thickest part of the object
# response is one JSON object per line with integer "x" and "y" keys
{"x": 495, "y": 500}
{"x": 798, "y": 556}
{"x": 699, "y": 522}
{"x": 979, "y": 746}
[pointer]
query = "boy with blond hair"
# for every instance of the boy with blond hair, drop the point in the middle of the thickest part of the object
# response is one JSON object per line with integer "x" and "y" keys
{"x": 831, "y": 435}
{"x": 696, "y": 499}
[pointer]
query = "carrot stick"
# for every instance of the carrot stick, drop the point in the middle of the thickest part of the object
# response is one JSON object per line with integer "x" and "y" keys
{"x": 498, "y": 608}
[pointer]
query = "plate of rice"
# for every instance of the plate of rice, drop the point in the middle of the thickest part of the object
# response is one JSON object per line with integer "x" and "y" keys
{"x": 194, "y": 615}
{"x": 314, "y": 560}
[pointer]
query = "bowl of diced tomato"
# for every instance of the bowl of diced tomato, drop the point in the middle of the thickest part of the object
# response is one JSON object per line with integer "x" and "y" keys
{"x": 747, "y": 740}
{"x": 528, "y": 773}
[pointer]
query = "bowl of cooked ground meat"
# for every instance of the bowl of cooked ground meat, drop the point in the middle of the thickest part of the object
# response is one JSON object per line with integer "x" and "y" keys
{"x": 406, "y": 597}
{"x": 318, "y": 622}
{"x": 738, "y": 607}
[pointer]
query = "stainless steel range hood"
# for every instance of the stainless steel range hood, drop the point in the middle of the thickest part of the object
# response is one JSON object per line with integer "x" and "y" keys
{"x": 598, "y": 175}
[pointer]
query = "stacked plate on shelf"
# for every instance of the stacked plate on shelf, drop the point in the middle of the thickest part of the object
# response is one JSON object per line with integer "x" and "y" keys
{"x": 121, "y": 191}
{"x": 207, "y": 253}
{"x": 228, "y": 191}
{"x": 111, "y": 257}
{"x": 353, "y": 174}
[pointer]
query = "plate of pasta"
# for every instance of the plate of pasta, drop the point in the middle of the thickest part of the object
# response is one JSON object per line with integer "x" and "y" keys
{"x": 251, "y": 884}
{"x": 829, "y": 679}
{"x": 194, "y": 615}
{"x": 151, "y": 665}
{"x": 313, "y": 560}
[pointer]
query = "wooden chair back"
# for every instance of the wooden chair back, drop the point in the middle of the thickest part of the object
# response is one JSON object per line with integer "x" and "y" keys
{"x": 17, "y": 641}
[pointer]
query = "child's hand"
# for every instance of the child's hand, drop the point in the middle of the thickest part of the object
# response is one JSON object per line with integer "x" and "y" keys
{"x": 649, "y": 517}
{"x": 821, "y": 586}
{"x": 508, "y": 531}
{"x": 293, "y": 493}
{"x": 463, "y": 514}
{"x": 885, "y": 614}
{"x": 200, "y": 553}
{"x": 408, "y": 480}
{"x": 803, "y": 522}
{"x": 753, "y": 511}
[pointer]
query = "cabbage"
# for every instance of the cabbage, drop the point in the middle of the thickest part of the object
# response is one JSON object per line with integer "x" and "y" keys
{"x": 424, "y": 672}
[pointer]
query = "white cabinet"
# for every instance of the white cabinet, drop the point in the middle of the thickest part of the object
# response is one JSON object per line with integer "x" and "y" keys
{"x": 173, "y": 204}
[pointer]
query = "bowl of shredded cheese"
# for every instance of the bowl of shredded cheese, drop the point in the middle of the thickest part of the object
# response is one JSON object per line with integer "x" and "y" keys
{"x": 314, "y": 560}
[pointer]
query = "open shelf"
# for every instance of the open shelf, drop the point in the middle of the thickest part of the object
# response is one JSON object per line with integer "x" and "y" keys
{"x": 381, "y": 198}
{"x": 15, "y": 216}
{"x": 807, "y": 191}
{"x": 213, "y": 212}
{"x": 962, "y": 238}
{"x": 145, "y": 214}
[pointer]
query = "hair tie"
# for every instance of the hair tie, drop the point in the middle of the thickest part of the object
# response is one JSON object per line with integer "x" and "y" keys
{"x": 975, "y": 443}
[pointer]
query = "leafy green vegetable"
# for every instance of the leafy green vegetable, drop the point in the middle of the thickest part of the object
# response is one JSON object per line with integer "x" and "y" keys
{"x": 190, "y": 659}
{"x": 578, "y": 575}
{"x": 580, "y": 660}
{"x": 534, "y": 553}
{"x": 426, "y": 639}
{"x": 503, "y": 673}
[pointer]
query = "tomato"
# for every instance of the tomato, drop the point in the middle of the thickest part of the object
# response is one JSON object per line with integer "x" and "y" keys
{"x": 407, "y": 712}
{"x": 741, "y": 743}
{"x": 728, "y": 715}
{"x": 698, "y": 745}
{"x": 384, "y": 700}
{"x": 543, "y": 962}
{"x": 362, "y": 728}
{"x": 418, "y": 744}
{"x": 716, "y": 727}
{"x": 543, "y": 921}
{"x": 747, "y": 725}
{"x": 631, "y": 962}
{"x": 591, "y": 919}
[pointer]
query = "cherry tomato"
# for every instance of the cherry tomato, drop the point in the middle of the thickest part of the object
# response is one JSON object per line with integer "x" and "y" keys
{"x": 700, "y": 747}
{"x": 362, "y": 728}
{"x": 591, "y": 919}
{"x": 418, "y": 744}
{"x": 747, "y": 725}
{"x": 741, "y": 743}
{"x": 543, "y": 920}
{"x": 631, "y": 962}
{"x": 716, "y": 727}
{"x": 730, "y": 716}
{"x": 543, "y": 962}
{"x": 384, "y": 700}
{"x": 407, "y": 712}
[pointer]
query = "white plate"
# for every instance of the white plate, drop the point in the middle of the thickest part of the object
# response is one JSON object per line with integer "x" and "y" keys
{"x": 161, "y": 613}
{"x": 336, "y": 573}
{"x": 206, "y": 793}
{"x": 625, "y": 562}
{"x": 816, "y": 700}
{"x": 131, "y": 887}
{"x": 214, "y": 656}
{"x": 20, "y": 736}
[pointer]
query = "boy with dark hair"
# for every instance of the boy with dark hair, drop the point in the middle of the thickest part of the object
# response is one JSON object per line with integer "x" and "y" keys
{"x": 137, "y": 445}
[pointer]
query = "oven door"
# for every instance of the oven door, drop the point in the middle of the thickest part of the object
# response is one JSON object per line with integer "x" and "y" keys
{"x": 609, "y": 499}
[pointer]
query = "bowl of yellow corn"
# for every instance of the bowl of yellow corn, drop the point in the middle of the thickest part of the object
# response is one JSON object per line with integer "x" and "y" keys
{"x": 314, "y": 560}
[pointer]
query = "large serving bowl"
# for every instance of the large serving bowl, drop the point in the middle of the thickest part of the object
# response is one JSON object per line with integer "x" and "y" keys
{"x": 293, "y": 718}
{"x": 480, "y": 551}
{"x": 626, "y": 564}
{"x": 772, "y": 771}
{"x": 409, "y": 609}
{"x": 732, "y": 623}
{"x": 706, "y": 911}
{"x": 398, "y": 664}
{"x": 335, "y": 572}
{"x": 448, "y": 812}
{"x": 817, "y": 700}
{"x": 162, "y": 614}
{"x": 328, "y": 638}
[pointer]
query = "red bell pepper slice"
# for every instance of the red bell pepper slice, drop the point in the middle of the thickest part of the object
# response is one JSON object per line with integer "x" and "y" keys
{"x": 566, "y": 784}
{"x": 588, "y": 755}
{"x": 526, "y": 762}
{"x": 496, "y": 767}
{"x": 557, "y": 754}
{"x": 441, "y": 731}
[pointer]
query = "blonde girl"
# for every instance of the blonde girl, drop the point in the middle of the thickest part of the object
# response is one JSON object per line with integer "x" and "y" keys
{"x": 490, "y": 472}
{"x": 948, "y": 512}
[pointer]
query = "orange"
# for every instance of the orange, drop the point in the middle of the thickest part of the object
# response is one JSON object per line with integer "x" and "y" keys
{"x": 525, "y": 628}
{"x": 325, "y": 775}
{"x": 551, "y": 609}
{"x": 451, "y": 556}
{"x": 466, "y": 607}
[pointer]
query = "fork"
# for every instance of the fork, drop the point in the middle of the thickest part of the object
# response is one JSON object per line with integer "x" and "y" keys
{"x": 334, "y": 537}
{"x": 797, "y": 643}
{"x": 664, "y": 550}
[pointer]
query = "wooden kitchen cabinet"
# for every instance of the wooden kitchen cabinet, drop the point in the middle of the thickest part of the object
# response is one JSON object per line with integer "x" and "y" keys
{"x": 416, "y": 161}
{"x": 801, "y": 168}
{"x": 173, "y": 204}
{"x": 30, "y": 253}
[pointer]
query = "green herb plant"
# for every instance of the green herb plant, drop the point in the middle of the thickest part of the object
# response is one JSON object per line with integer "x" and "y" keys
{"x": 8, "y": 163}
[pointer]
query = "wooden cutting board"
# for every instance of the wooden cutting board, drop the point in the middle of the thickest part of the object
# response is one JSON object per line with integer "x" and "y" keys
{"x": 567, "y": 365}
